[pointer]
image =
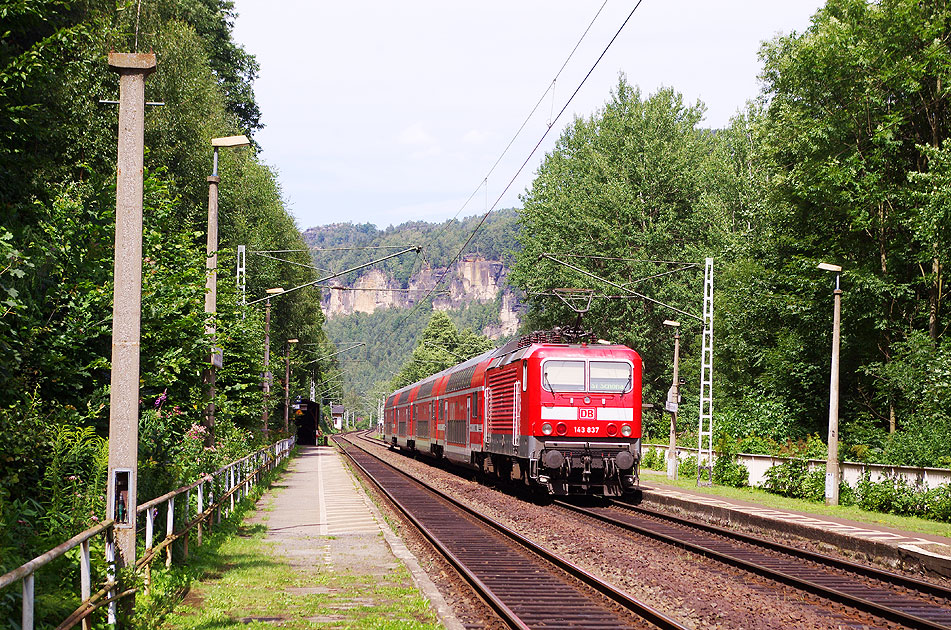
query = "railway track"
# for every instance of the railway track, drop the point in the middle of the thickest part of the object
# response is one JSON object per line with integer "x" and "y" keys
{"x": 910, "y": 602}
{"x": 526, "y": 585}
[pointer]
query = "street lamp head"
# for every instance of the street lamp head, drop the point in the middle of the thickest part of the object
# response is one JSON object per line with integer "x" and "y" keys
{"x": 231, "y": 141}
{"x": 829, "y": 267}
{"x": 274, "y": 291}
{"x": 293, "y": 340}
{"x": 671, "y": 323}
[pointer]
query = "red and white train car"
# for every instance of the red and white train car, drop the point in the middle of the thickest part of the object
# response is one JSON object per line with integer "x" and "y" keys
{"x": 563, "y": 417}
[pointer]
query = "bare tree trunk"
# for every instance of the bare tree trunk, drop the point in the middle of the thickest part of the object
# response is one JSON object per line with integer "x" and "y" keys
{"x": 934, "y": 299}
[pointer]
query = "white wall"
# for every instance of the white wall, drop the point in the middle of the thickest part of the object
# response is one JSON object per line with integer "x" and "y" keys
{"x": 851, "y": 472}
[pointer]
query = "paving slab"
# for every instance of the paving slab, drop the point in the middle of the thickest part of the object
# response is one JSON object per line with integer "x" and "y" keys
{"x": 318, "y": 515}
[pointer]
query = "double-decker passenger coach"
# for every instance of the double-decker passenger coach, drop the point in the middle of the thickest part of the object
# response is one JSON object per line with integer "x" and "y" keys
{"x": 565, "y": 417}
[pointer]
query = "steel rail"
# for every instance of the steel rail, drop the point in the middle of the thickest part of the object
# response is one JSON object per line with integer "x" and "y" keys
{"x": 603, "y": 588}
{"x": 837, "y": 594}
{"x": 484, "y": 592}
{"x": 897, "y": 579}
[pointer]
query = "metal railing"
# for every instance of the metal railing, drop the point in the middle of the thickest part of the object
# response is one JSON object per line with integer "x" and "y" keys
{"x": 200, "y": 506}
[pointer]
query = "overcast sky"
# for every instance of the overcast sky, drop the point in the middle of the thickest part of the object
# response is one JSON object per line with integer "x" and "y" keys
{"x": 385, "y": 112}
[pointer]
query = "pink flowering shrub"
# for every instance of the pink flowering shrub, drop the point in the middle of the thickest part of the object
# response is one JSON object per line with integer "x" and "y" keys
{"x": 195, "y": 459}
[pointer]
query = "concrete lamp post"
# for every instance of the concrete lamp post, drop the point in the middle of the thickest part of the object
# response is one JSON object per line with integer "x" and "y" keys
{"x": 122, "y": 484}
{"x": 266, "y": 384}
{"x": 832, "y": 459}
{"x": 211, "y": 280}
{"x": 673, "y": 400}
{"x": 287, "y": 380}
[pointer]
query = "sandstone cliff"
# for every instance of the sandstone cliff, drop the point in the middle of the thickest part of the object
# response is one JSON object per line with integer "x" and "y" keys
{"x": 472, "y": 279}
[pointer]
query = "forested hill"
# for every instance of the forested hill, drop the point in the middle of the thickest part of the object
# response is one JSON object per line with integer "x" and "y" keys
{"x": 341, "y": 246}
{"x": 374, "y": 308}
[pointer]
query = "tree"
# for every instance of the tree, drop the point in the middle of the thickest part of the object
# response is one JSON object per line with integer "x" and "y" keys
{"x": 631, "y": 185}
{"x": 57, "y": 215}
{"x": 439, "y": 347}
{"x": 858, "y": 115}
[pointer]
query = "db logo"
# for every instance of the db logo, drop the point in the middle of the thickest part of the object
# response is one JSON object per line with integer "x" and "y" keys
{"x": 586, "y": 414}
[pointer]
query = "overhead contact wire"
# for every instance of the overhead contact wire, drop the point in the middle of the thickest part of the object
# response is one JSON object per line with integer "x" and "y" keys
{"x": 531, "y": 114}
{"x": 527, "y": 159}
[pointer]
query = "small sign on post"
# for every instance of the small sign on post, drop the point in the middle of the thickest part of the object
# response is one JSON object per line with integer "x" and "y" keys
{"x": 673, "y": 399}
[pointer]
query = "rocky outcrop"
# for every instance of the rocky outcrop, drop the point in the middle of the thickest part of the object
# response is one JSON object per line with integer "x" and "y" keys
{"x": 369, "y": 292}
{"x": 472, "y": 279}
{"x": 508, "y": 315}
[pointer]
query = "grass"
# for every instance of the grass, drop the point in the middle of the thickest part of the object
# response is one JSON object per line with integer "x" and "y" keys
{"x": 766, "y": 499}
{"x": 239, "y": 582}
{"x": 246, "y": 586}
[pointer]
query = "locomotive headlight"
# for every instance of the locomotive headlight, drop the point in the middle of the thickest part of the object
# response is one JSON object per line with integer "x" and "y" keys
{"x": 612, "y": 429}
{"x": 546, "y": 428}
{"x": 562, "y": 428}
{"x": 626, "y": 430}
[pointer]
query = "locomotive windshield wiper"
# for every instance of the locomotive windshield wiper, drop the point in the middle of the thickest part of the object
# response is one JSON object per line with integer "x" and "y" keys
{"x": 548, "y": 385}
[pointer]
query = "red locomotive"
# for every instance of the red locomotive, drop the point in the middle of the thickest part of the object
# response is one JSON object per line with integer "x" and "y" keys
{"x": 558, "y": 416}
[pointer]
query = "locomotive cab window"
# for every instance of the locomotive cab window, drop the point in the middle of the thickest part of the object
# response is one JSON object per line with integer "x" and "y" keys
{"x": 612, "y": 377}
{"x": 563, "y": 376}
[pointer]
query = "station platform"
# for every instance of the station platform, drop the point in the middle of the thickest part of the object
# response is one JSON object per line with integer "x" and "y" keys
{"x": 877, "y": 543}
{"x": 318, "y": 517}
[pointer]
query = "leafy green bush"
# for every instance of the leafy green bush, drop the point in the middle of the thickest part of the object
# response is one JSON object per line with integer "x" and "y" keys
{"x": 728, "y": 471}
{"x": 757, "y": 445}
{"x": 759, "y": 415}
{"x": 653, "y": 459}
{"x": 787, "y": 478}
{"x": 890, "y": 495}
{"x": 814, "y": 485}
{"x": 937, "y": 503}
{"x": 765, "y": 426}
{"x": 655, "y": 426}
{"x": 810, "y": 447}
{"x": 916, "y": 376}
{"x": 687, "y": 467}
{"x": 75, "y": 479}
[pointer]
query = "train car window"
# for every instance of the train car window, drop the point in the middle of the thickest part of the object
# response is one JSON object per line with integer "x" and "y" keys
{"x": 475, "y": 404}
{"x": 563, "y": 376}
{"x": 610, "y": 377}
